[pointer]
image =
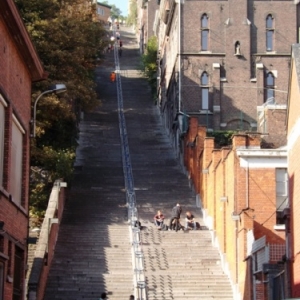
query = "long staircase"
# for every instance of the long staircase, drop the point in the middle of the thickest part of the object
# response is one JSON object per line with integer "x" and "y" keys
{"x": 94, "y": 251}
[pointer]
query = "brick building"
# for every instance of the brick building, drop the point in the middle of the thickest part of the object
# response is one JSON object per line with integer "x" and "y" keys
{"x": 227, "y": 63}
{"x": 243, "y": 192}
{"x": 19, "y": 67}
{"x": 293, "y": 130}
{"x": 148, "y": 16}
{"x": 102, "y": 12}
{"x": 224, "y": 65}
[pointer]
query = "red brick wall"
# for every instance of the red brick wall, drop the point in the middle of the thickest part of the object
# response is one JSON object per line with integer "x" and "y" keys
{"x": 251, "y": 193}
{"x": 15, "y": 87}
{"x": 238, "y": 96}
{"x": 103, "y": 18}
{"x": 152, "y": 6}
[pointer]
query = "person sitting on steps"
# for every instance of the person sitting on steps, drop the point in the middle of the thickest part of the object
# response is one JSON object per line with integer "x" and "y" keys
{"x": 159, "y": 219}
{"x": 189, "y": 221}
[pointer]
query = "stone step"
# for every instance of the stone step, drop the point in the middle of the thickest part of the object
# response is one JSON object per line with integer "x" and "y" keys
{"x": 93, "y": 252}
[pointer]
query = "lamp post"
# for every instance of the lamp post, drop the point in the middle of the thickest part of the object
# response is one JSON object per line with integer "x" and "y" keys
{"x": 57, "y": 89}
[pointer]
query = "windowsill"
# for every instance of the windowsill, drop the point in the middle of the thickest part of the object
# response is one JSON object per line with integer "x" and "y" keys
{"x": 253, "y": 80}
{"x": 205, "y": 112}
{"x": 271, "y": 53}
{"x": 3, "y": 256}
{"x": 4, "y": 192}
{"x": 223, "y": 79}
{"x": 210, "y": 53}
{"x": 279, "y": 227}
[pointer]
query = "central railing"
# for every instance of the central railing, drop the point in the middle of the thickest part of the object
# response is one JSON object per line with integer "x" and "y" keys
{"x": 137, "y": 253}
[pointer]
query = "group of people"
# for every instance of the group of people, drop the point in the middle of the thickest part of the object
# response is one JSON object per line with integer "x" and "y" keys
{"x": 174, "y": 223}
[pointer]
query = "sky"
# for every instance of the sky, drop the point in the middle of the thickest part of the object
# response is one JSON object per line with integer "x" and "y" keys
{"x": 121, "y": 4}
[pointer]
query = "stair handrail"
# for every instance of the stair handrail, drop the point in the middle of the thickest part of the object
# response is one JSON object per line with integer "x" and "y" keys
{"x": 133, "y": 220}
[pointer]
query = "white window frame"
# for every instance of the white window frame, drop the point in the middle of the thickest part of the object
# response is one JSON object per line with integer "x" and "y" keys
{"x": 281, "y": 188}
{"x": 17, "y": 161}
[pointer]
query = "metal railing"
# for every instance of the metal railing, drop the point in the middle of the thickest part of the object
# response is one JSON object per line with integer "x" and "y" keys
{"x": 137, "y": 252}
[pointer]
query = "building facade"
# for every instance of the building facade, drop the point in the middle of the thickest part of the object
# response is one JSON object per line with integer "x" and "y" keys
{"x": 243, "y": 192}
{"x": 147, "y": 18}
{"x": 102, "y": 13}
{"x": 293, "y": 146}
{"x": 227, "y": 63}
{"x": 19, "y": 67}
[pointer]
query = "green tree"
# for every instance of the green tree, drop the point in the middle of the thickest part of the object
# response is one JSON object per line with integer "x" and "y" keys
{"x": 115, "y": 12}
{"x": 149, "y": 64}
{"x": 69, "y": 45}
{"x": 132, "y": 16}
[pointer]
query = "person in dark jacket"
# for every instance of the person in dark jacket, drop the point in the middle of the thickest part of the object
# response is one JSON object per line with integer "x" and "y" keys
{"x": 103, "y": 296}
{"x": 176, "y": 212}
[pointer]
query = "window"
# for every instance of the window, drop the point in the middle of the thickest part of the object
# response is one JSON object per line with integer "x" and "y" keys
{"x": 281, "y": 193}
{"x": 269, "y": 88}
{"x": 18, "y": 274}
{"x": 100, "y": 11}
{"x": 270, "y": 32}
{"x": 204, "y": 32}
{"x": 204, "y": 91}
{"x": 2, "y": 124}
{"x": 16, "y": 161}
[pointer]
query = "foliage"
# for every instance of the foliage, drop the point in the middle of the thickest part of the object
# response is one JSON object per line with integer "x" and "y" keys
{"x": 69, "y": 45}
{"x": 222, "y": 138}
{"x": 56, "y": 164}
{"x": 115, "y": 12}
{"x": 132, "y": 16}
{"x": 149, "y": 63}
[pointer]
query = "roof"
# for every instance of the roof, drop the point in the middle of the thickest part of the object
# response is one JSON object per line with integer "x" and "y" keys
{"x": 11, "y": 18}
{"x": 103, "y": 4}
